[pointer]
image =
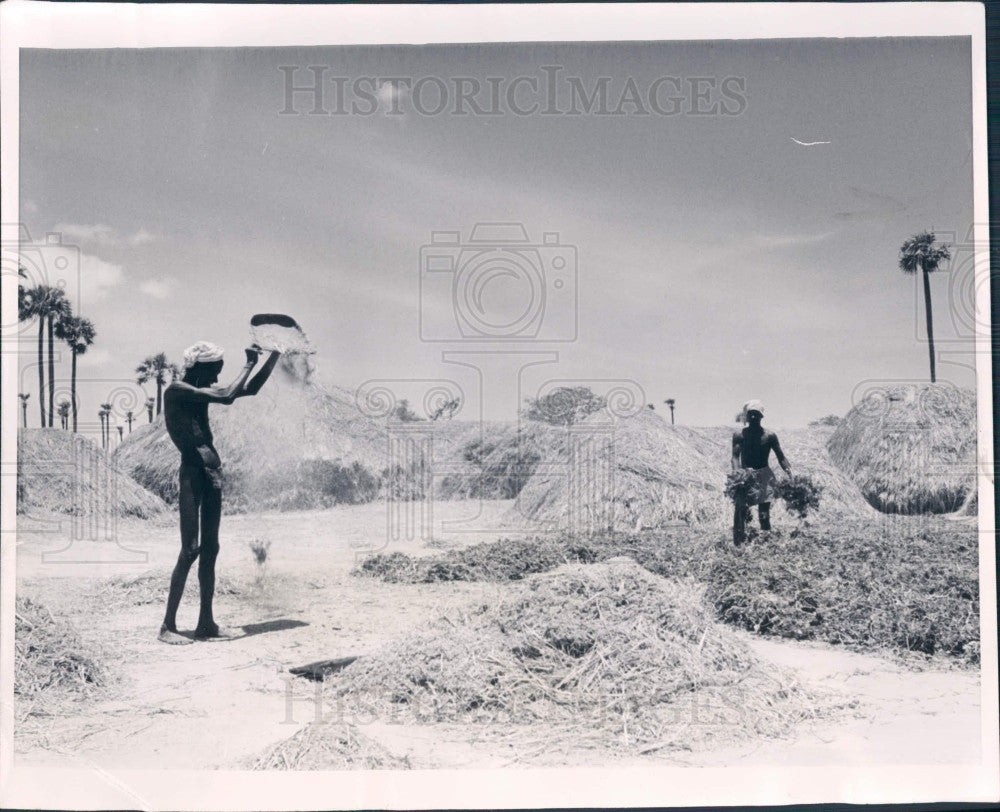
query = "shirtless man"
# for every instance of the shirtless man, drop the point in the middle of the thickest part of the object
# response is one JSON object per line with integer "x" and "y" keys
{"x": 185, "y": 411}
{"x": 752, "y": 446}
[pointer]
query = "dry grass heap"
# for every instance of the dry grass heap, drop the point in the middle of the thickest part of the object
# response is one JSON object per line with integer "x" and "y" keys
{"x": 604, "y": 655}
{"x": 490, "y": 460}
{"x": 644, "y": 474}
{"x": 910, "y": 449}
{"x": 62, "y": 473}
{"x": 52, "y": 665}
{"x": 279, "y": 449}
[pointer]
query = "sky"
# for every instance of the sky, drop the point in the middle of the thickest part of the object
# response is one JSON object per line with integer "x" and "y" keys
{"x": 711, "y": 257}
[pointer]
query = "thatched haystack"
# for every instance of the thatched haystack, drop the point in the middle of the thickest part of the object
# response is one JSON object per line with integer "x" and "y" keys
{"x": 634, "y": 473}
{"x": 490, "y": 460}
{"x": 605, "y": 655}
{"x": 910, "y": 449}
{"x": 296, "y": 444}
{"x": 59, "y": 472}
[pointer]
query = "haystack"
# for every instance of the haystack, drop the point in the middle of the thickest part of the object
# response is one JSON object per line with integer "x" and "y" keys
{"x": 490, "y": 460}
{"x": 59, "y": 472}
{"x": 291, "y": 446}
{"x": 635, "y": 473}
{"x": 604, "y": 654}
{"x": 910, "y": 449}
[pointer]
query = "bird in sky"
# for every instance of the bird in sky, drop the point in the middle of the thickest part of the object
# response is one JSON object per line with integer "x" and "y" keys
{"x": 810, "y": 143}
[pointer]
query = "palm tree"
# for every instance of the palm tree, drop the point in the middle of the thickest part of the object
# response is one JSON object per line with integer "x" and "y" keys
{"x": 24, "y": 406}
{"x": 64, "y": 413}
{"x": 106, "y": 427}
{"x": 31, "y": 303}
{"x": 101, "y": 413}
{"x": 121, "y": 431}
{"x": 670, "y": 402}
{"x": 150, "y": 403}
{"x": 79, "y": 333}
{"x": 57, "y": 308}
{"x": 129, "y": 417}
{"x": 157, "y": 368}
{"x": 921, "y": 253}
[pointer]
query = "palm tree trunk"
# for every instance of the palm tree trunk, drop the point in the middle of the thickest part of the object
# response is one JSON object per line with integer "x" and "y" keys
{"x": 52, "y": 371}
{"x": 72, "y": 389}
{"x": 930, "y": 321}
{"x": 41, "y": 369}
{"x": 159, "y": 396}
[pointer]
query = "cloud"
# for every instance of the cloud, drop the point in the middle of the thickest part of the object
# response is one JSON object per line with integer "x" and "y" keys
{"x": 141, "y": 237}
{"x": 100, "y": 234}
{"x": 158, "y": 288}
{"x": 99, "y": 276}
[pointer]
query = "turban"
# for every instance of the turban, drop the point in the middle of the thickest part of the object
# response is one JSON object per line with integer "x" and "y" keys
{"x": 204, "y": 352}
{"x": 753, "y": 406}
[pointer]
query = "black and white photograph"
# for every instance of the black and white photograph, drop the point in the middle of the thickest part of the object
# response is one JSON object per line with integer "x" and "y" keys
{"x": 482, "y": 406}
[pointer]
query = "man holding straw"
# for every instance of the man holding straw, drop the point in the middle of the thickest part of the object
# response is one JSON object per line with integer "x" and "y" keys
{"x": 185, "y": 411}
{"x": 752, "y": 447}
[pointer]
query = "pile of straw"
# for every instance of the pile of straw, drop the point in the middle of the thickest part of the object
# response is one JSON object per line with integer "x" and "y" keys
{"x": 490, "y": 460}
{"x": 605, "y": 655}
{"x": 326, "y": 746}
{"x": 503, "y": 560}
{"x": 637, "y": 473}
{"x": 910, "y": 449}
{"x": 52, "y": 665}
{"x": 66, "y": 474}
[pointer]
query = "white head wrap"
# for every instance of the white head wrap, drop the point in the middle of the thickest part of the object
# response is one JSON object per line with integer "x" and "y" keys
{"x": 753, "y": 406}
{"x": 204, "y": 352}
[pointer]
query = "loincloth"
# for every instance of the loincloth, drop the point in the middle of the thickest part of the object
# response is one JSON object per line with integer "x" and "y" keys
{"x": 766, "y": 487}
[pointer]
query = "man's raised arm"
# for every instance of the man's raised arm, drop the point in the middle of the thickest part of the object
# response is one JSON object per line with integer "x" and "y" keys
{"x": 261, "y": 377}
{"x": 217, "y": 394}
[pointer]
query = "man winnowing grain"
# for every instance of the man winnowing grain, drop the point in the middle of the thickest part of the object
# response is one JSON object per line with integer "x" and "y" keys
{"x": 185, "y": 411}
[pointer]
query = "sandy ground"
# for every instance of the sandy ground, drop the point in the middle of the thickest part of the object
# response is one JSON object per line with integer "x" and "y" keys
{"x": 217, "y": 705}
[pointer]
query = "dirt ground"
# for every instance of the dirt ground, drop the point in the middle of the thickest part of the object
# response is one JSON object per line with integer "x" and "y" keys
{"x": 217, "y": 705}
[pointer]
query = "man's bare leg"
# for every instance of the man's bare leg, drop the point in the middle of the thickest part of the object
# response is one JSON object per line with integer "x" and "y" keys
{"x": 764, "y": 511}
{"x": 739, "y": 522}
{"x": 211, "y": 516}
{"x": 188, "y": 501}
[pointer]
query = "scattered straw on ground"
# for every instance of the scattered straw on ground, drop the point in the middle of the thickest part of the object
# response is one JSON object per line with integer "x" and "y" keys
{"x": 52, "y": 664}
{"x": 605, "y": 655}
{"x": 910, "y": 449}
{"x": 327, "y": 746}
